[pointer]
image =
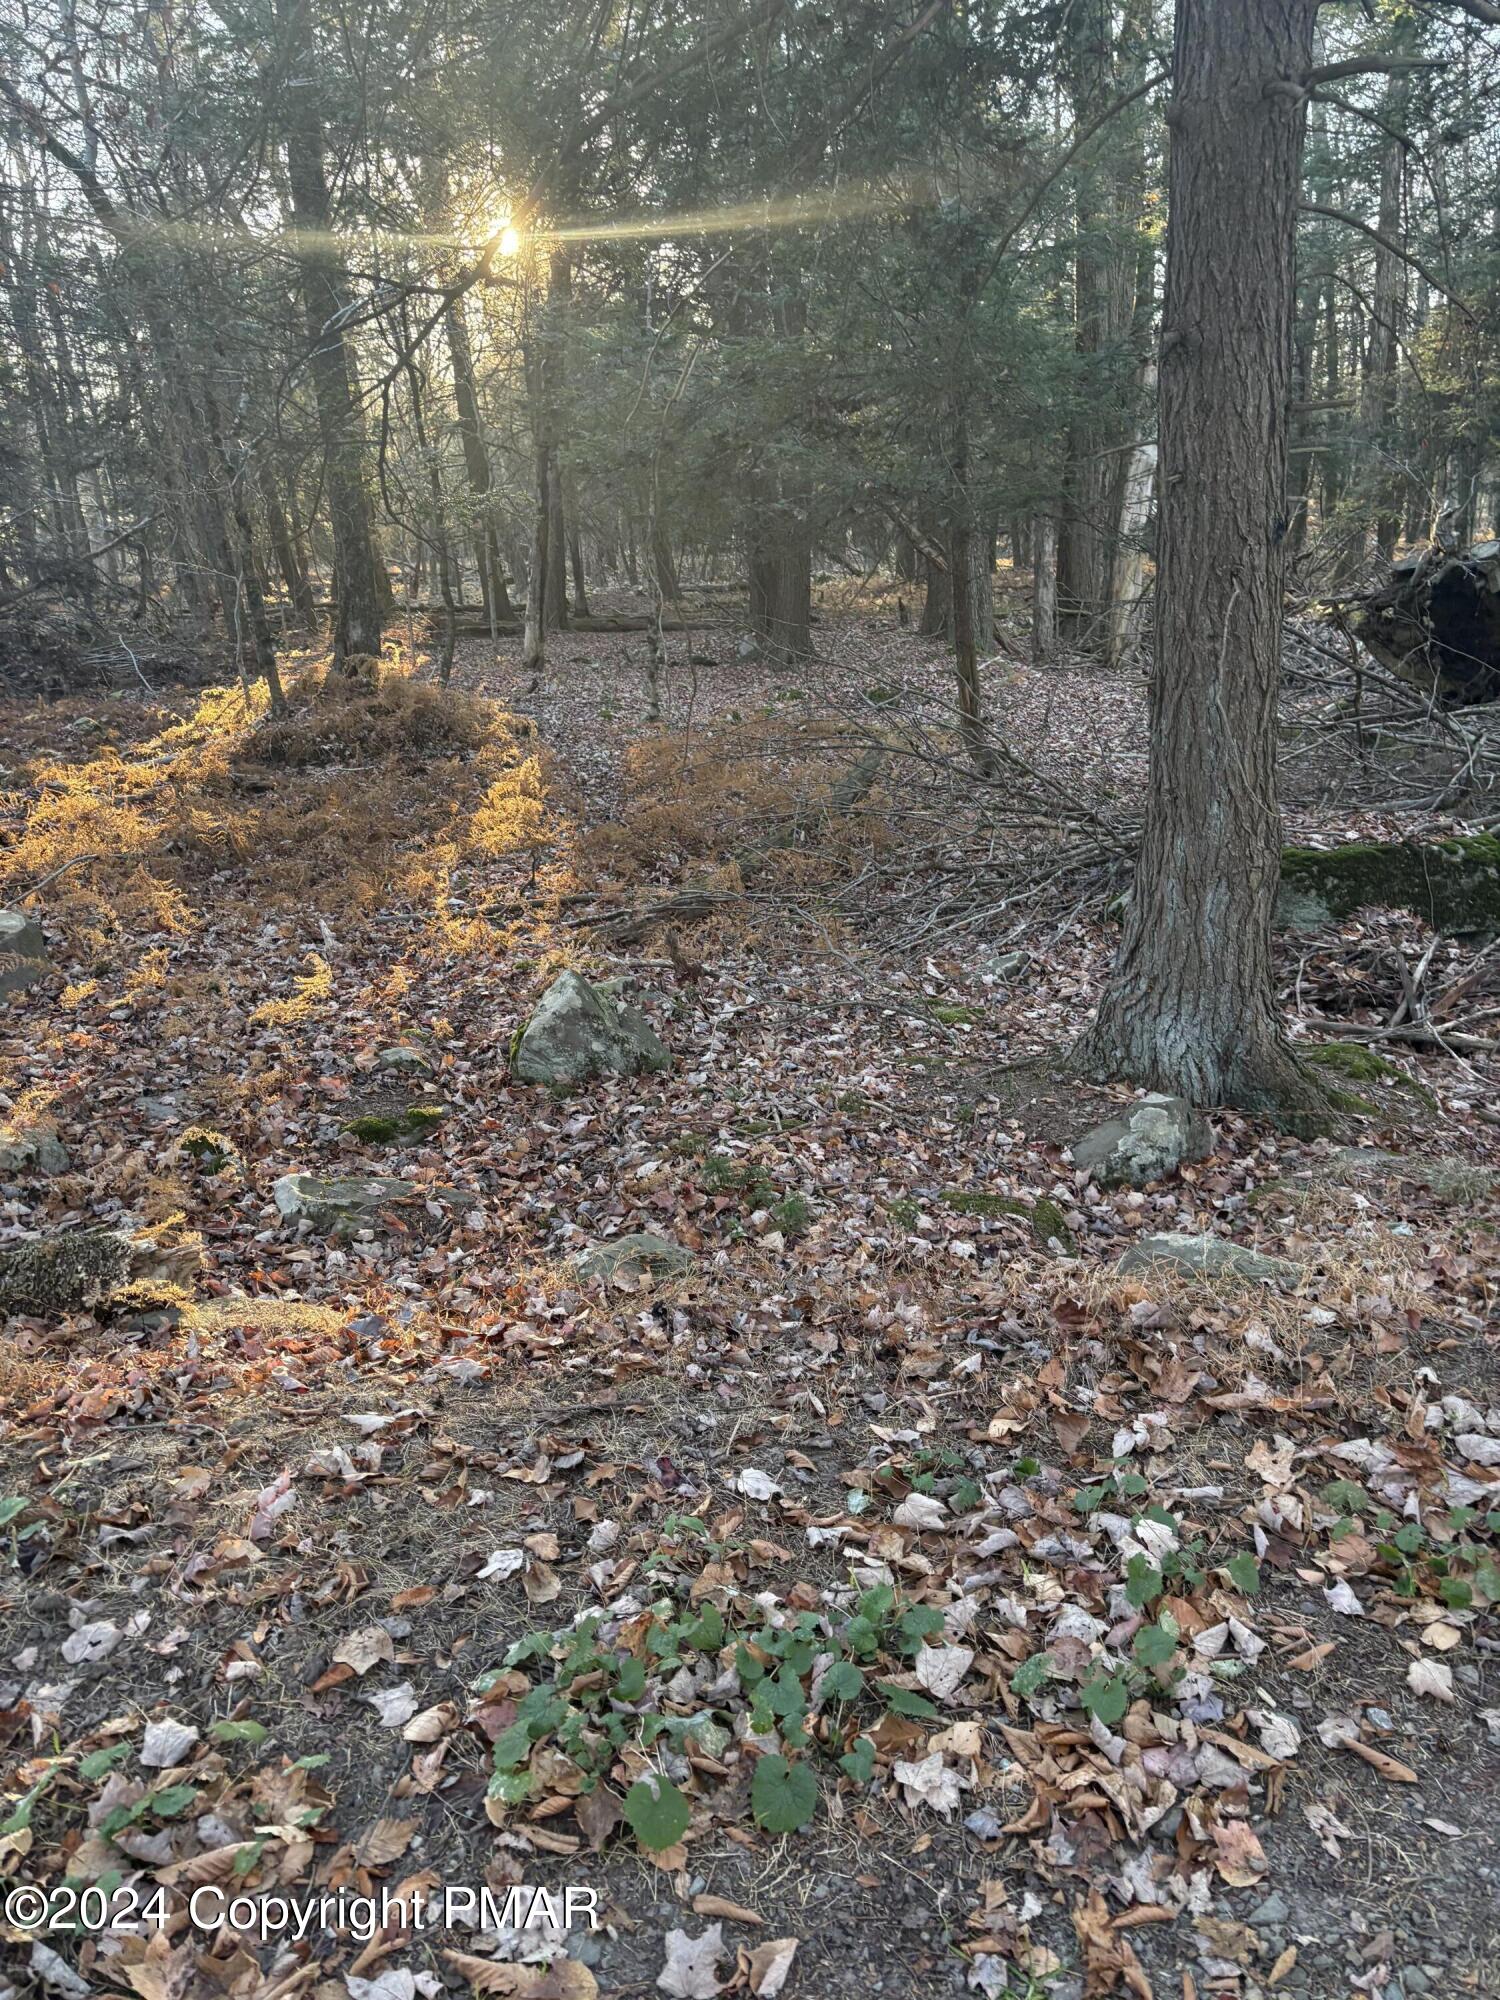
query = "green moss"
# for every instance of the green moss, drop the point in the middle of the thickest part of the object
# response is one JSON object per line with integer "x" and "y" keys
{"x": 969, "y": 1201}
{"x": 1046, "y": 1218}
{"x": 955, "y": 1017}
{"x": 1048, "y": 1221}
{"x": 881, "y": 696}
{"x": 384, "y": 1128}
{"x": 1453, "y": 884}
{"x": 1360, "y": 1064}
{"x": 850, "y": 1101}
{"x": 1355, "y": 1061}
{"x": 903, "y": 1211}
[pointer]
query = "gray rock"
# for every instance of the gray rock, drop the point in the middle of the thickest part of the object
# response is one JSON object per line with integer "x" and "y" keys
{"x": 404, "y": 1059}
{"x": 34, "y": 1152}
{"x": 23, "y": 952}
{"x": 1207, "y": 1256}
{"x": 1148, "y": 1140}
{"x": 636, "y": 1254}
{"x": 64, "y": 1270}
{"x": 1273, "y": 1911}
{"x": 340, "y": 1207}
{"x": 579, "y": 1031}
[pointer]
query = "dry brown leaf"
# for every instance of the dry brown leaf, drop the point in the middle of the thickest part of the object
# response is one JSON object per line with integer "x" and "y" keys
{"x": 383, "y": 1842}
{"x": 720, "y": 1906}
{"x": 365, "y": 1648}
{"x": 564, "y": 1979}
{"x": 769, "y": 1965}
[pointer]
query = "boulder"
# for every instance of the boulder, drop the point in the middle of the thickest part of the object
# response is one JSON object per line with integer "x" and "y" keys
{"x": 638, "y": 1255}
{"x": 23, "y": 952}
{"x": 1453, "y": 885}
{"x": 64, "y": 1270}
{"x": 579, "y": 1031}
{"x": 340, "y": 1207}
{"x": 1147, "y": 1141}
{"x": 1207, "y": 1257}
{"x": 36, "y": 1151}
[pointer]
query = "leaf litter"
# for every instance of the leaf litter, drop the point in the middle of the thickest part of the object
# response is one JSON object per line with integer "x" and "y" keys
{"x": 1057, "y": 1622}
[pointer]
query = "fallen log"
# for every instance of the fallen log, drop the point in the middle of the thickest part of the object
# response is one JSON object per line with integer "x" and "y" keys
{"x": 693, "y": 904}
{"x": 1436, "y": 623}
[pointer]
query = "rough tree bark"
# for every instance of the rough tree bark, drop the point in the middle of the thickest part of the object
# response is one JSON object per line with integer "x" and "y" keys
{"x": 1190, "y": 1005}
{"x": 356, "y": 586}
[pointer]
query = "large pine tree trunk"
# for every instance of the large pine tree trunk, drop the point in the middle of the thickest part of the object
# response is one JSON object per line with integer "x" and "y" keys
{"x": 1190, "y": 1005}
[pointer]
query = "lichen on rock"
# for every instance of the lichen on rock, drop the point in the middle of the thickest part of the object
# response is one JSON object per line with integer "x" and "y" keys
{"x": 579, "y": 1031}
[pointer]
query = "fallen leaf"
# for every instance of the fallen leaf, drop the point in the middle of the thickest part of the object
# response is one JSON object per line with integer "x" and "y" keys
{"x": 690, "y": 1972}
{"x": 769, "y": 1965}
{"x": 166, "y": 1743}
{"x": 365, "y": 1648}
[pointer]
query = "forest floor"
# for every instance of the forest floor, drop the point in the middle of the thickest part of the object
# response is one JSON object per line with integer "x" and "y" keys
{"x": 1130, "y": 1633}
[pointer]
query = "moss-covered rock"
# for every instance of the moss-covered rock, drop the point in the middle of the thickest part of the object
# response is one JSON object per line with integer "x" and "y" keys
{"x": 340, "y": 1207}
{"x": 1454, "y": 885}
{"x": 1048, "y": 1223}
{"x": 71, "y": 1270}
{"x": 384, "y": 1128}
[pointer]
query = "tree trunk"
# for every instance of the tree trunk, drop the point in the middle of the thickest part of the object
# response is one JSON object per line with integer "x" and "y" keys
{"x": 356, "y": 584}
{"x": 495, "y": 597}
{"x": 1385, "y": 308}
{"x": 781, "y": 590}
{"x": 1128, "y": 579}
{"x": 1110, "y": 197}
{"x": 1043, "y": 540}
{"x": 293, "y": 573}
{"x": 1191, "y": 1006}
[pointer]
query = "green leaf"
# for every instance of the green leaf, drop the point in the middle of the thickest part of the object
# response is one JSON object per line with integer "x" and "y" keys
{"x": 906, "y": 1701}
{"x": 512, "y": 1786}
{"x": 783, "y": 1796}
{"x": 1344, "y": 1496}
{"x": 1143, "y": 1581}
{"x": 630, "y": 1681}
{"x": 1032, "y": 1675}
{"x": 1243, "y": 1572}
{"x": 1409, "y": 1538}
{"x": 99, "y": 1762}
{"x": 512, "y": 1746}
{"x": 658, "y": 1813}
{"x": 1088, "y": 1498}
{"x": 1106, "y": 1697}
{"x": 1487, "y": 1581}
{"x": 859, "y": 1763}
{"x": 13, "y": 1504}
{"x": 1131, "y": 1484}
{"x": 708, "y": 1634}
{"x": 239, "y": 1732}
{"x": 1455, "y": 1591}
{"x": 1155, "y": 1644}
{"x": 172, "y": 1801}
{"x": 842, "y": 1682}
{"x": 314, "y": 1763}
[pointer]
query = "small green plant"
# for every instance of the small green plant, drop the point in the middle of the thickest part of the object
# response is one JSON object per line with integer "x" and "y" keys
{"x": 809, "y": 1684}
{"x": 953, "y": 1016}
